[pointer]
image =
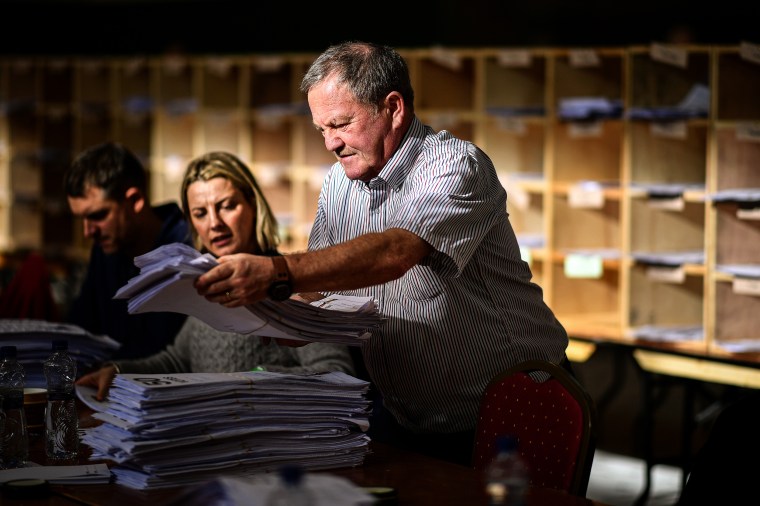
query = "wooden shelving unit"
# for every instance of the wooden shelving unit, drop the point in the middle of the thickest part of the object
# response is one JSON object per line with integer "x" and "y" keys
{"x": 592, "y": 198}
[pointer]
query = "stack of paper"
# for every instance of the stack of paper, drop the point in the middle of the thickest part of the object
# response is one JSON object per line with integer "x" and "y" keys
{"x": 165, "y": 283}
{"x": 33, "y": 340}
{"x": 166, "y": 430}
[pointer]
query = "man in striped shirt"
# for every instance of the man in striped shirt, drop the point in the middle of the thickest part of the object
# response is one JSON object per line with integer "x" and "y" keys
{"x": 417, "y": 220}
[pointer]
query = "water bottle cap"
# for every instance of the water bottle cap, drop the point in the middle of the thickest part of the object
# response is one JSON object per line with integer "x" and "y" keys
{"x": 506, "y": 443}
{"x": 291, "y": 474}
{"x": 8, "y": 352}
{"x": 60, "y": 344}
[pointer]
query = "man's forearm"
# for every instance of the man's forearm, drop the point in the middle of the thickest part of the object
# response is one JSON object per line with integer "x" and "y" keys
{"x": 368, "y": 260}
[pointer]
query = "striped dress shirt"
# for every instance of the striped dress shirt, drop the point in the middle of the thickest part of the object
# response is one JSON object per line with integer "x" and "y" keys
{"x": 467, "y": 311}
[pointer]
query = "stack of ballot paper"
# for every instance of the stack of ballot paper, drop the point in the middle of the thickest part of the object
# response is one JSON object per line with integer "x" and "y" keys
{"x": 164, "y": 430}
{"x": 34, "y": 338}
{"x": 165, "y": 283}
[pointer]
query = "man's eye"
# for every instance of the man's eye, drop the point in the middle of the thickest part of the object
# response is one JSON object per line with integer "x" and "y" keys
{"x": 98, "y": 216}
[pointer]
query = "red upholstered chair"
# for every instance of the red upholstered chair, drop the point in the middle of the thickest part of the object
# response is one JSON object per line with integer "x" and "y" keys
{"x": 554, "y": 421}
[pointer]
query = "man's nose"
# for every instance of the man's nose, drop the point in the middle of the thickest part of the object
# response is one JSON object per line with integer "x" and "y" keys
{"x": 89, "y": 228}
{"x": 333, "y": 141}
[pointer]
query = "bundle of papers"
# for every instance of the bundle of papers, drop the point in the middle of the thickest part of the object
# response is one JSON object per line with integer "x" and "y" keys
{"x": 165, "y": 430}
{"x": 34, "y": 338}
{"x": 165, "y": 283}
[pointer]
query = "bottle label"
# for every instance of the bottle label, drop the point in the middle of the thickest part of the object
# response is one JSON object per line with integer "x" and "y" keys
{"x": 13, "y": 402}
{"x": 60, "y": 396}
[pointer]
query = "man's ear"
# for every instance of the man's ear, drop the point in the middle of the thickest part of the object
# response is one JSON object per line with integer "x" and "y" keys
{"x": 396, "y": 107}
{"x": 135, "y": 198}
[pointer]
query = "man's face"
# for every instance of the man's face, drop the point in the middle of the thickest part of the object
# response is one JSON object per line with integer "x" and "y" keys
{"x": 107, "y": 222}
{"x": 362, "y": 140}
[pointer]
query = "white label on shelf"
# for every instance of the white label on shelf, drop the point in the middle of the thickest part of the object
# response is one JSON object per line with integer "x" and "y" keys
{"x": 667, "y": 274}
{"x": 516, "y": 195}
{"x": 526, "y": 255}
{"x": 512, "y": 125}
{"x": 174, "y": 167}
{"x": 671, "y": 55}
{"x": 514, "y": 58}
{"x": 749, "y": 132}
{"x": 750, "y": 52}
{"x": 671, "y": 204}
{"x": 442, "y": 121}
{"x": 133, "y": 66}
{"x": 269, "y": 63}
{"x": 174, "y": 64}
{"x": 583, "y": 58}
{"x": 746, "y": 286}
{"x": 220, "y": 67}
{"x": 22, "y": 65}
{"x": 748, "y": 214}
{"x": 584, "y": 266}
{"x": 577, "y": 130}
{"x": 670, "y": 130}
{"x": 581, "y": 196}
{"x": 446, "y": 58}
{"x": 93, "y": 66}
{"x": 58, "y": 65}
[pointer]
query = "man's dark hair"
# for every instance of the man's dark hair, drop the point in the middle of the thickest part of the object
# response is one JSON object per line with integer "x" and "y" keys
{"x": 109, "y": 166}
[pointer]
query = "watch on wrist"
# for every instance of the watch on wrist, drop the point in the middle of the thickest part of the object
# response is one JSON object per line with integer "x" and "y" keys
{"x": 281, "y": 288}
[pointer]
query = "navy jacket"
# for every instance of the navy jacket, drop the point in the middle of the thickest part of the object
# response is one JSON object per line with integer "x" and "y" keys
{"x": 97, "y": 311}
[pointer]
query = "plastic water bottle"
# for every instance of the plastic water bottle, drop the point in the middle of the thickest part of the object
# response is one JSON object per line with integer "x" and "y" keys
{"x": 290, "y": 490}
{"x": 61, "y": 419}
{"x": 14, "y": 440}
{"x": 507, "y": 475}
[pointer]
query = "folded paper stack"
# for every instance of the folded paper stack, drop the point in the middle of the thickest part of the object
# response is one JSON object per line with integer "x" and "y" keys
{"x": 165, "y": 430}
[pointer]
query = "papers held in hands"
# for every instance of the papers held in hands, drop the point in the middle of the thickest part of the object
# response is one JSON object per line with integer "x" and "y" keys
{"x": 165, "y": 283}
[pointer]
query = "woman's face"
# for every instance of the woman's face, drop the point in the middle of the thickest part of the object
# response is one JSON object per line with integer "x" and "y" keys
{"x": 221, "y": 216}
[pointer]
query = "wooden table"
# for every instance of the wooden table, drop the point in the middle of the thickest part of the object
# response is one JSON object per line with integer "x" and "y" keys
{"x": 419, "y": 481}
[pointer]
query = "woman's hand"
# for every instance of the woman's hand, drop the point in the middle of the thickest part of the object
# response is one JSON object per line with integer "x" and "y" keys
{"x": 100, "y": 379}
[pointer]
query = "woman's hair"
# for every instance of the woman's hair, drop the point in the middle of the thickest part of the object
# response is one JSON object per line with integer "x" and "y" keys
{"x": 228, "y": 166}
{"x": 371, "y": 72}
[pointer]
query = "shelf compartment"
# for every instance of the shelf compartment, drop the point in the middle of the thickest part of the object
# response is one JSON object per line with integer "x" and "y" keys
{"x": 94, "y": 85}
{"x": 738, "y": 81}
{"x": 735, "y": 315}
{"x": 601, "y": 75}
{"x": 221, "y": 131}
{"x": 737, "y": 239}
{"x": 221, "y": 83}
{"x": 272, "y": 83}
{"x": 665, "y": 304}
{"x": 668, "y": 156}
{"x": 584, "y": 228}
{"x": 588, "y": 152}
{"x": 57, "y": 83}
{"x": 444, "y": 81}
{"x": 515, "y": 83}
{"x": 658, "y": 230}
{"x": 657, "y": 84}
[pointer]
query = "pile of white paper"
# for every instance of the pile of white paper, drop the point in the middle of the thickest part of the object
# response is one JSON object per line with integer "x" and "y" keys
{"x": 165, "y": 283}
{"x": 166, "y": 430}
{"x": 33, "y": 340}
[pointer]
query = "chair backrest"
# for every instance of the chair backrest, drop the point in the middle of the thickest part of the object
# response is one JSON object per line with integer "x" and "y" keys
{"x": 553, "y": 418}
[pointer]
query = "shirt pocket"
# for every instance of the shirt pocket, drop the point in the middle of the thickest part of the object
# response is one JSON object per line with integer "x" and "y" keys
{"x": 421, "y": 283}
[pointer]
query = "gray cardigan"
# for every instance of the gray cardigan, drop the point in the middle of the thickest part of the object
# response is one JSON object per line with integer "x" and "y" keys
{"x": 201, "y": 348}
